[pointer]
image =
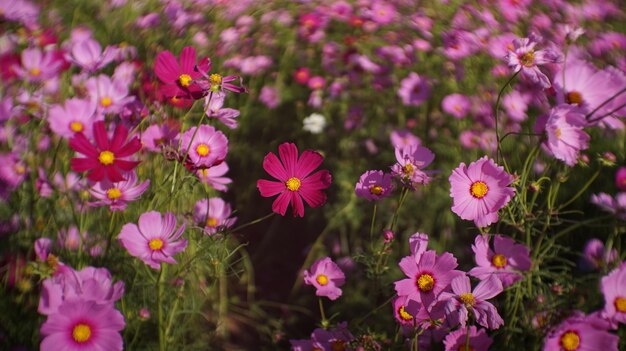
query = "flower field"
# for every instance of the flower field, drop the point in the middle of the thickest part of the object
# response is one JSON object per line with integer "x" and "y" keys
{"x": 312, "y": 175}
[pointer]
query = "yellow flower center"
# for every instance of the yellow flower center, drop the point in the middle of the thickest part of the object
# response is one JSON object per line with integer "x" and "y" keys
{"x": 114, "y": 193}
{"x": 408, "y": 169}
{"x": 215, "y": 79}
{"x": 184, "y": 80}
{"x": 203, "y": 150}
{"x": 570, "y": 341}
{"x": 425, "y": 282}
{"x": 620, "y": 304}
{"x": 322, "y": 279}
{"x": 498, "y": 261}
{"x": 468, "y": 299}
{"x": 479, "y": 189}
{"x": 106, "y": 101}
{"x": 106, "y": 157}
{"x": 81, "y": 333}
{"x": 376, "y": 189}
{"x": 155, "y": 244}
{"x": 52, "y": 261}
{"x": 293, "y": 184}
{"x": 338, "y": 345}
{"x": 404, "y": 314}
{"x": 211, "y": 222}
{"x": 558, "y": 133}
{"x": 528, "y": 59}
{"x": 76, "y": 127}
{"x": 574, "y": 98}
{"x": 19, "y": 169}
{"x": 35, "y": 72}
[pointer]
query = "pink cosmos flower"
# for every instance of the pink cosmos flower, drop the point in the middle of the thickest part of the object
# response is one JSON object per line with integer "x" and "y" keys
{"x": 505, "y": 261}
{"x": 302, "y": 75}
{"x": 480, "y": 190}
{"x": 581, "y": 333}
{"x": 478, "y": 340}
{"x": 269, "y": 96}
{"x": 411, "y": 161}
{"x": 414, "y": 90}
{"x": 154, "y": 240}
{"x": 525, "y": 58}
{"x": 566, "y": 136}
{"x": 38, "y": 66}
{"x": 614, "y": 290}
{"x": 88, "y": 55}
{"x": 214, "y": 215}
{"x": 456, "y": 105}
{"x": 516, "y": 104}
{"x": 42, "y": 248}
{"x": 295, "y": 179}
{"x": 616, "y": 205}
{"x": 213, "y": 176}
{"x": 336, "y": 338}
{"x": 74, "y": 116}
{"x": 595, "y": 255}
{"x": 83, "y": 325}
{"x": 117, "y": 195}
{"x": 374, "y": 185}
{"x": 401, "y": 139}
{"x": 109, "y": 95}
{"x": 207, "y": 147}
{"x": 179, "y": 80}
{"x": 427, "y": 275}
{"x": 326, "y": 277}
{"x": 213, "y": 105}
{"x": 156, "y": 136}
{"x": 71, "y": 239}
{"x": 620, "y": 178}
{"x": 463, "y": 300}
{"x": 88, "y": 284}
{"x": 105, "y": 160}
{"x": 382, "y": 12}
{"x": 316, "y": 83}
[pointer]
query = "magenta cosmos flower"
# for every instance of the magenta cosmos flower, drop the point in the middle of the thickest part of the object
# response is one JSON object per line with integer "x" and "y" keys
{"x": 505, "y": 261}
{"x": 178, "y": 79}
{"x": 105, "y": 160}
{"x": 581, "y": 333}
{"x": 83, "y": 325}
{"x": 480, "y": 190}
{"x": 478, "y": 340}
{"x": 374, "y": 185}
{"x": 117, "y": 195}
{"x": 154, "y": 240}
{"x": 464, "y": 300}
{"x": 213, "y": 215}
{"x": 295, "y": 179}
{"x": 566, "y": 135}
{"x": 414, "y": 90}
{"x": 326, "y": 277}
{"x": 205, "y": 148}
{"x": 614, "y": 291}
{"x": 525, "y": 58}
{"x": 76, "y": 115}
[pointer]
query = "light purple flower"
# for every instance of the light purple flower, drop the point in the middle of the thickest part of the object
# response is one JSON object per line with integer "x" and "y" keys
{"x": 109, "y": 95}
{"x": 214, "y": 215}
{"x": 463, "y": 300}
{"x": 42, "y": 248}
{"x": 209, "y": 146}
{"x": 506, "y": 261}
{"x": 456, "y": 105}
{"x": 616, "y": 205}
{"x": 401, "y": 139}
{"x": 154, "y": 240}
{"x": 117, "y": 195}
{"x": 411, "y": 161}
{"x": 38, "y": 66}
{"x": 213, "y": 104}
{"x": 75, "y": 116}
{"x": 478, "y": 340}
{"x": 156, "y": 136}
{"x": 374, "y": 185}
{"x": 566, "y": 135}
{"x": 213, "y": 176}
{"x": 71, "y": 239}
{"x": 516, "y": 104}
{"x": 595, "y": 255}
{"x": 613, "y": 288}
{"x": 269, "y": 96}
{"x": 326, "y": 277}
{"x": 87, "y": 54}
{"x": 581, "y": 333}
{"x": 427, "y": 276}
{"x": 414, "y": 90}
{"x": 525, "y": 58}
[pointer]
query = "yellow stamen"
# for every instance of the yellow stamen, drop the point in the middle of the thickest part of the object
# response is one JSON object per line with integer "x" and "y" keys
{"x": 498, "y": 261}
{"x": 468, "y": 299}
{"x": 408, "y": 169}
{"x": 620, "y": 304}
{"x": 114, "y": 193}
{"x": 155, "y": 244}
{"x": 338, "y": 345}
{"x": 35, "y": 72}
{"x": 558, "y": 133}
{"x": 322, "y": 279}
{"x": 106, "y": 157}
{"x": 528, "y": 59}
{"x": 76, "y": 127}
{"x": 215, "y": 79}
{"x": 376, "y": 189}
{"x": 19, "y": 169}
{"x": 106, "y": 101}
{"x": 574, "y": 98}
{"x": 404, "y": 314}
{"x": 81, "y": 333}
{"x": 184, "y": 80}
{"x": 479, "y": 189}
{"x": 211, "y": 222}
{"x": 570, "y": 341}
{"x": 293, "y": 184}
{"x": 425, "y": 282}
{"x": 203, "y": 150}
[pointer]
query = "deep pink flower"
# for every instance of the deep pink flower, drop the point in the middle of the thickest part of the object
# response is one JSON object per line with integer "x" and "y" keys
{"x": 117, "y": 195}
{"x": 302, "y": 75}
{"x": 207, "y": 147}
{"x": 105, "y": 160}
{"x": 180, "y": 80}
{"x": 414, "y": 90}
{"x": 566, "y": 135}
{"x": 214, "y": 215}
{"x": 427, "y": 275}
{"x": 295, "y": 179}
{"x": 480, "y": 190}
{"x": 374, "y": 185}
{"x": 506, "y": 261}
{"x": 74, "y": 116}
{"x": 463, "y": 300}
{"x": 478, "y": 340}
{"x": 83, "y": 325}
{"x": 620, "y": 178}
{"x": 614, "y": 290}
{"x": 525, "y": 58}
{"x": 154, "y": 240}
{"x": 326, "y": 277}
{"x": 581, "y": 333}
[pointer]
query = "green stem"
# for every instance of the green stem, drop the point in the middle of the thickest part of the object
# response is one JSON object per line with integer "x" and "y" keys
{"x": 497, "y": 113}
{"x": 322, "y": 313}
{"x": 467, "y": 338}
{"x": 258, "y": 220}
{"x": 160, "y": 282}
{"x": 372, "y": 227}
{"x": 397, "y": 211}
{"x": 582, "y": 190}
{"x": 110, "y": 238}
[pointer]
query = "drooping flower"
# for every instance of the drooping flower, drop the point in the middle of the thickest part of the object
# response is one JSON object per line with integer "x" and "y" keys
{"x": 595, "y": 256}
{"x": 76, "y": 115}
{"x": 154, "y": 240}
{"x": 478, "y": 340}
{"x": 213, "y": 105}
{"x": 615, "y": 205}
{"x": 295, "y": 179}
{"x": 613, "y": 288}
{"x": 581, "y": 333}
{"x": 214, "y": 215}
{"x": 105, "y": 160}
{"x": 374, "y": 185}
{"x": 411, "y": 161}
{"x": 463, "y": 300}
{"x": 566, "y": 135}
{"x": 83, "y": 325}
{"x": 205, "y": 147}
{"x": 326, "y": 277}
{"x": 506, "y": 261}
{"x": 214, "y": 178}
{"x": 180, "y": 80}
{"x": 414, "y": 90}
{"x": 525, "y": 58}
{"x": 480, "y": 190}
{"x": 117, "y": 195}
